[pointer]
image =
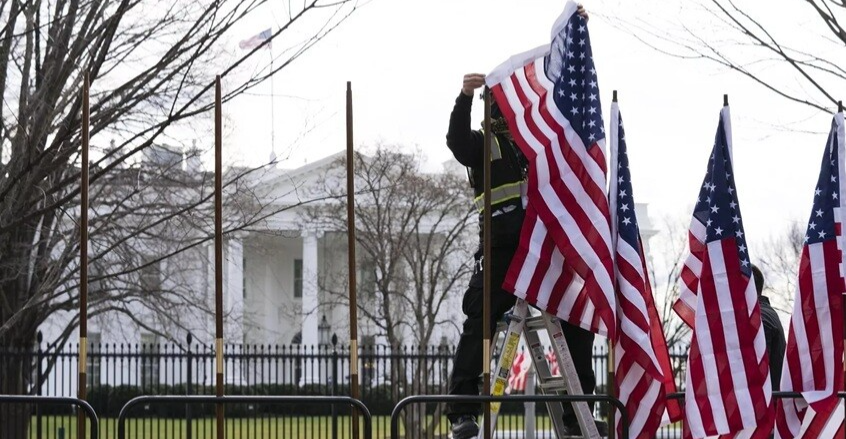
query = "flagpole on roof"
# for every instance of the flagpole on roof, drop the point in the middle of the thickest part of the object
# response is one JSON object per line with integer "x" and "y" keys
{"x": 486, "y": 268}
{"x": 272, "y": 112}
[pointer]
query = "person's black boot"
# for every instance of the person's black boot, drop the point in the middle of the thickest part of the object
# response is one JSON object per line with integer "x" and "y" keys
{"x": 465, "y": 427}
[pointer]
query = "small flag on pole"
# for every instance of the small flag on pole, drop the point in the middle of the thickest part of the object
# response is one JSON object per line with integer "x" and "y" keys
{"x": 519, "y": 371}
{"x": 643, "y": 376}
{"x": 813, "y": 360}
{"x": 728, "y": 389}
{"x": 256, "y": 40}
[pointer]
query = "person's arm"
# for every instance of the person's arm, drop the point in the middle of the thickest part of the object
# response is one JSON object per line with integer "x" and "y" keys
{"x": 465, "y": 143}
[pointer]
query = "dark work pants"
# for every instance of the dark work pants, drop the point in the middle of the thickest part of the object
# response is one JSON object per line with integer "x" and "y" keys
{"x": 467, "y": 365}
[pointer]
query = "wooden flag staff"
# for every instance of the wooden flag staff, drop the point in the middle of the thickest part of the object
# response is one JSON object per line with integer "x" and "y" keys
{"x": 354, "y": 390}
{"x": 486, "y": 268}
{"x": 218, "y": 253}
{"x": 83, "y": 254}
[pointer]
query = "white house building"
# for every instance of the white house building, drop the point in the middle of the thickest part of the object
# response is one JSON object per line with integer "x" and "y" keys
{"x": 277, "y": 275}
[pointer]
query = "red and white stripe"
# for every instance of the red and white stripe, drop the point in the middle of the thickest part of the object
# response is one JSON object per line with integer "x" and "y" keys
{"x": 813, "y": 360}
{"x": 566, "y": 233}
{"x": 552, "y": 360}
{"x": 685, "y": 306}
{"x": 519, "y": 371}
{"x": 643, "y": 375}
{"x": 728, "y": 389}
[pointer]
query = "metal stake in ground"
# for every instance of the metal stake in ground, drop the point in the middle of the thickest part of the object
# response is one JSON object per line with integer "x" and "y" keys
{"x": 83, "y": 256}
{"x": 486, "y": 268}
{"x": 218, "y": 252}
{"x": 354, "y": 391}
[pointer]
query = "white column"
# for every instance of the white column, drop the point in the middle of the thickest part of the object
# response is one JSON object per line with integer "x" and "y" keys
{"x": 311, "y": 372}
{"x": 233, "y": 300}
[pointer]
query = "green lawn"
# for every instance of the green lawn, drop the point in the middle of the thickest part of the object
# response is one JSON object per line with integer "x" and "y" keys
{"x": 318, "y": 427}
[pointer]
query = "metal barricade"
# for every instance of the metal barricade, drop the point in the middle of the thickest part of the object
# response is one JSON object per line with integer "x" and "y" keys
{"x": 417, "y": 399}
{"x": 196, "y": 399}
{"x": 39, "y": 400}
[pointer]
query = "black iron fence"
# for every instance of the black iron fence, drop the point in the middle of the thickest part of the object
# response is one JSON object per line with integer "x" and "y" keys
{"x": 118, "y": 373}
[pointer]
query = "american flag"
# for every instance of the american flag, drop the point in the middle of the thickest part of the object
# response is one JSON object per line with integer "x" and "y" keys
{"x": 550, "y": 98}
{"x": 643, "y": 374}
{"x": 519, "y": 371}
{"x": 256, "y": 40}
{"x": 813, "y": 360}
{"x": 728, "y": 388}
{"x": 552, "y": 361}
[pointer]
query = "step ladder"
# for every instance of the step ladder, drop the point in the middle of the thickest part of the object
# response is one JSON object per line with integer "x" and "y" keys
{"x": 523, "y": 321}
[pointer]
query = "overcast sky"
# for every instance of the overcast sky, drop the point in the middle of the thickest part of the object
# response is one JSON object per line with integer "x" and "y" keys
{"x": 406, "y": 59}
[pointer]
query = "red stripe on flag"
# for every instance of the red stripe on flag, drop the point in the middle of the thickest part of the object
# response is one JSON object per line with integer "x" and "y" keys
{"x": 709, "y": 300}
{"x": 582, "y": 220}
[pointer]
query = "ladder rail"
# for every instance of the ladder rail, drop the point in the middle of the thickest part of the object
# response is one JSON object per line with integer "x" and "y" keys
{"x": 524, "y": 323}
{"x": 571, "y": 377}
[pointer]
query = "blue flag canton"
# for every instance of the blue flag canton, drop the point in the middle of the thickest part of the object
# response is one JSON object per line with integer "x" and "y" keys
{"x": 626, "y": 219}
{"x": 720, "y": 200}
{"x": 826, "y": 195}
{"x": 569, "y": 66}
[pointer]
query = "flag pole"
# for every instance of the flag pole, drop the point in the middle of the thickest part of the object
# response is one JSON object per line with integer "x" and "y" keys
{"x": 272, "y": 111}
{"x": 83, "y": 253}
{"x": 486, "y": 265}
{"x": 218, "y": 252}
{"x": 354, "y": 390}
{"x": 725, "y": 100}
{"x": 843, "y": 304}
{"x": 610, "y": 388}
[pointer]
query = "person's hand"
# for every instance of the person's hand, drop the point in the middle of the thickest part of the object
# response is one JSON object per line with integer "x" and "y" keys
{"x": 582, "y": 12}
{"x": 472, "y": 81}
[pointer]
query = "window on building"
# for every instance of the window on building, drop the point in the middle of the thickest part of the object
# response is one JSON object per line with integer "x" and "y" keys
{"x": 298, "y": 278}
{"x": 149, "y": 360}
{"x": 94, "y": 360}
{"x": 151, "y": 280}
{"x": 367, "y": 279}
{"x": 95, "y": 283}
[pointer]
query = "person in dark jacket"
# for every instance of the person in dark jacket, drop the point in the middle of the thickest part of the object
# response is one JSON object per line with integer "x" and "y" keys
{"x": 509, "y": 170}
{"x": 773, "y": 331}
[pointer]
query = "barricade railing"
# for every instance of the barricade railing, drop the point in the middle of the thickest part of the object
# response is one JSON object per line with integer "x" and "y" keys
{"x": 245, "y": 399}
{"x": 425, "y": 399}
{"x": 58, "y": 400}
